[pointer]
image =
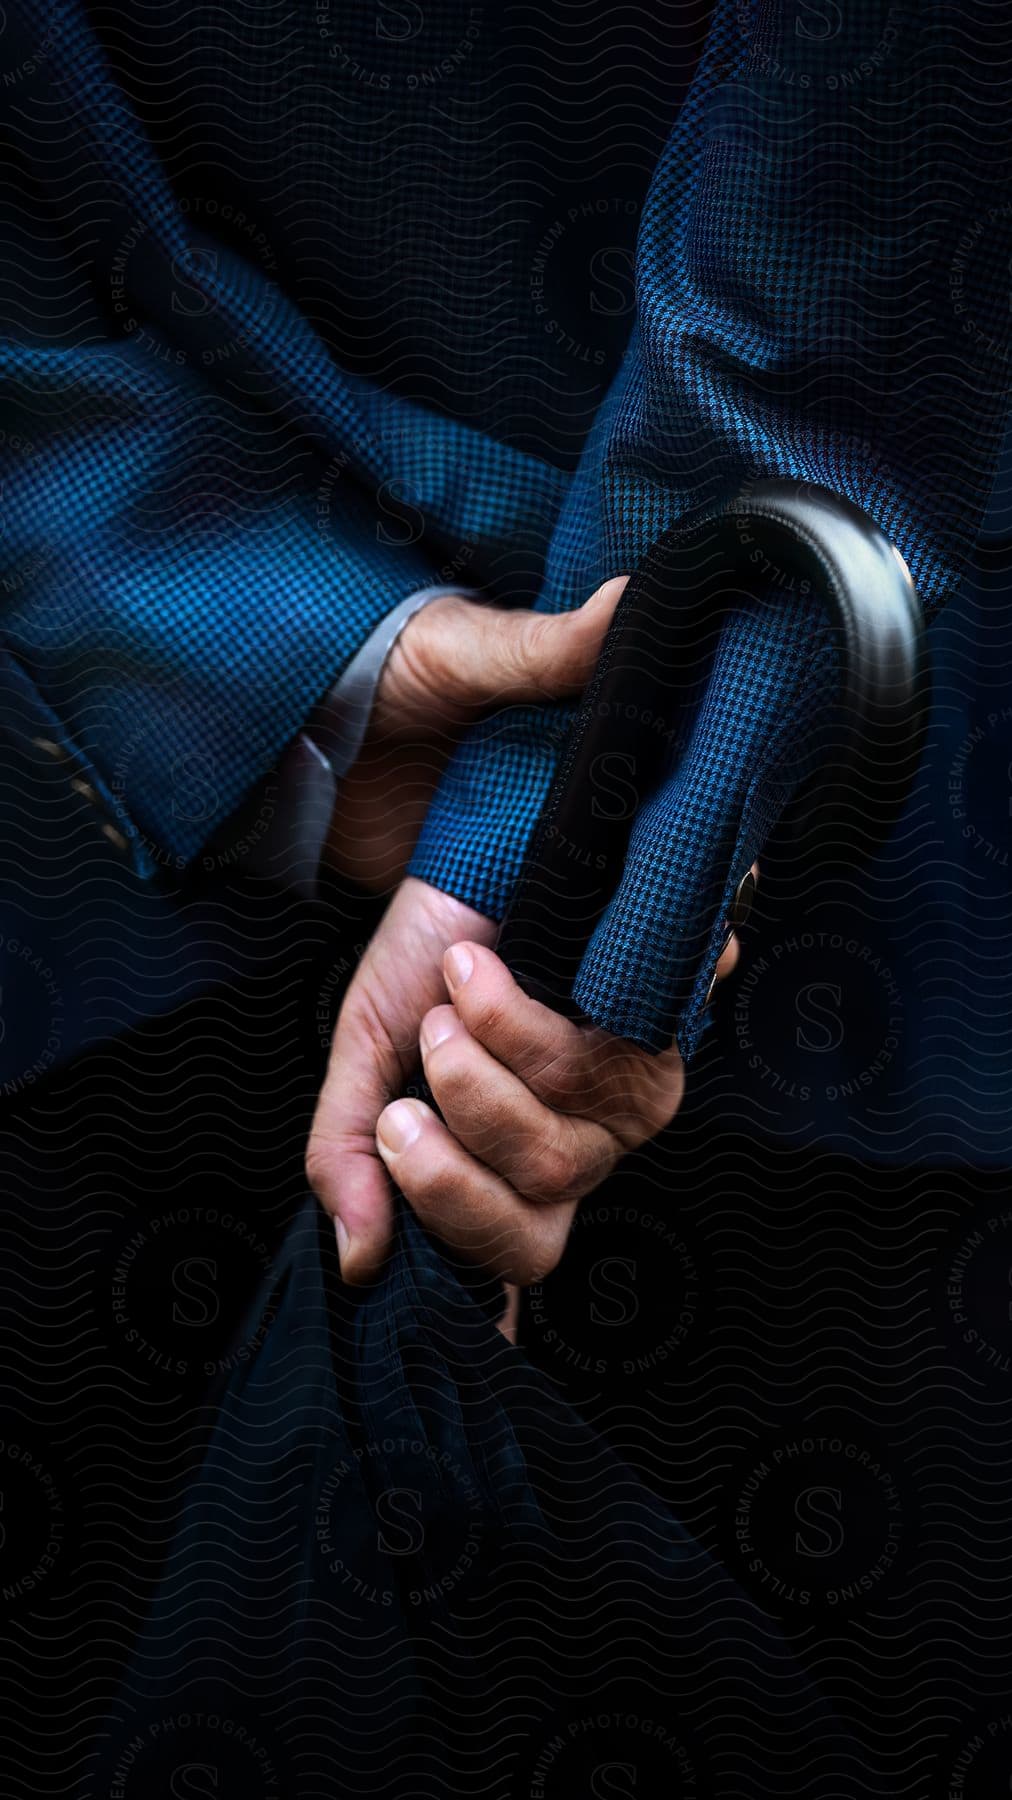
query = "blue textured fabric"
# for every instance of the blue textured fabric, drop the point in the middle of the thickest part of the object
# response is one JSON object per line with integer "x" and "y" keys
{"x": 205, "y": 515}
{"x": 211, "y": 496}
{"x": 822, "y": 279}
{"x": 272, "y": 368}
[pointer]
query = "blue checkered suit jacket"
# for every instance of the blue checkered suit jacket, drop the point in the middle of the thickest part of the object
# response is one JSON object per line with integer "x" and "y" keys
{"x": 304, "y": 311}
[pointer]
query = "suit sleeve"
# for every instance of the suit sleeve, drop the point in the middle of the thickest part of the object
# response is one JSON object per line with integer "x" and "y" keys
{"x": 205, "y": 516}
{"x": 178, "y": 647}
{"x": 822, "y": 293}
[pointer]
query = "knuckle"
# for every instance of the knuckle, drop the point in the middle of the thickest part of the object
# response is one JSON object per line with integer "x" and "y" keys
{"x": 428, "y": 1183}
{"x": 558, "y": 1079}
{"x": 639, "y": 1095}
{"x": 557, "y": 1170}
{"x": 484, "y": 1006}
{"x": 559, "y": 1176}
{"x": 447, "y": 1070}
{"x": 433, "y": 1183}
{"x": 532, "y": 646}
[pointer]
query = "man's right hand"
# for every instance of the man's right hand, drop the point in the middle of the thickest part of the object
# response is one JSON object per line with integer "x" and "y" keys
{"x": 454, "y": 660}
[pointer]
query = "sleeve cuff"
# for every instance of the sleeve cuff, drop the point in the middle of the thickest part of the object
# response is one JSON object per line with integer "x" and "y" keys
{"x": 325, "y": 750}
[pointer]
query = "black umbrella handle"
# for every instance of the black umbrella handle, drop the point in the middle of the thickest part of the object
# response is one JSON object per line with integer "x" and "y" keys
{"x": 652, "y": 667}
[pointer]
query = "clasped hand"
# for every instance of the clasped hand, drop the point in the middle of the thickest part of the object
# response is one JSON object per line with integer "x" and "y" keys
{"x": 536, "y": 1110}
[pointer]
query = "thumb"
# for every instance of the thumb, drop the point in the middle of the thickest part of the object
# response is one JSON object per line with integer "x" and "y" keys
{"x": 457, "y": 658}
{"x": 519, "y": 656}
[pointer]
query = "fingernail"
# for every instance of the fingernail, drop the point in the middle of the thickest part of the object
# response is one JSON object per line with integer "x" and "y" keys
{"x": 398, "y": 1127}
{"x": 458, "y": 964}
{"x": 606, "y": 595}
{"x": 436, "y": 1033}
{"x": 343, "y": 1240}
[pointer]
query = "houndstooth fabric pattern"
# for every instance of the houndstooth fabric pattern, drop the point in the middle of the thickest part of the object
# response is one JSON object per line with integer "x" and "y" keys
{"x": 249, "y": 409}
{"x": 811, "y": 238}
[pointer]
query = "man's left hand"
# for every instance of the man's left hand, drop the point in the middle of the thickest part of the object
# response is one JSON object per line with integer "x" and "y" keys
{"x": 536, "y": 1110}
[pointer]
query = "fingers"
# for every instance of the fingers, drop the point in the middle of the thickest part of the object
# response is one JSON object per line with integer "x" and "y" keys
{"x": 375, "y": 1051}
{"x": 545, "y": 1156}
{"x": 465, "y": 1204}
{"x": 536, "y": 1110}
{"x": 456, "y": 658}
{"x": 536, "y": 1107}
{"x": 342, "y": 1165}
{"x": 573, "y": 1069}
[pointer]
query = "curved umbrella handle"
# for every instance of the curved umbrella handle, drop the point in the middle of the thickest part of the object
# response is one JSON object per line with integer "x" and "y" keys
{"x": 654, "y": 660}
